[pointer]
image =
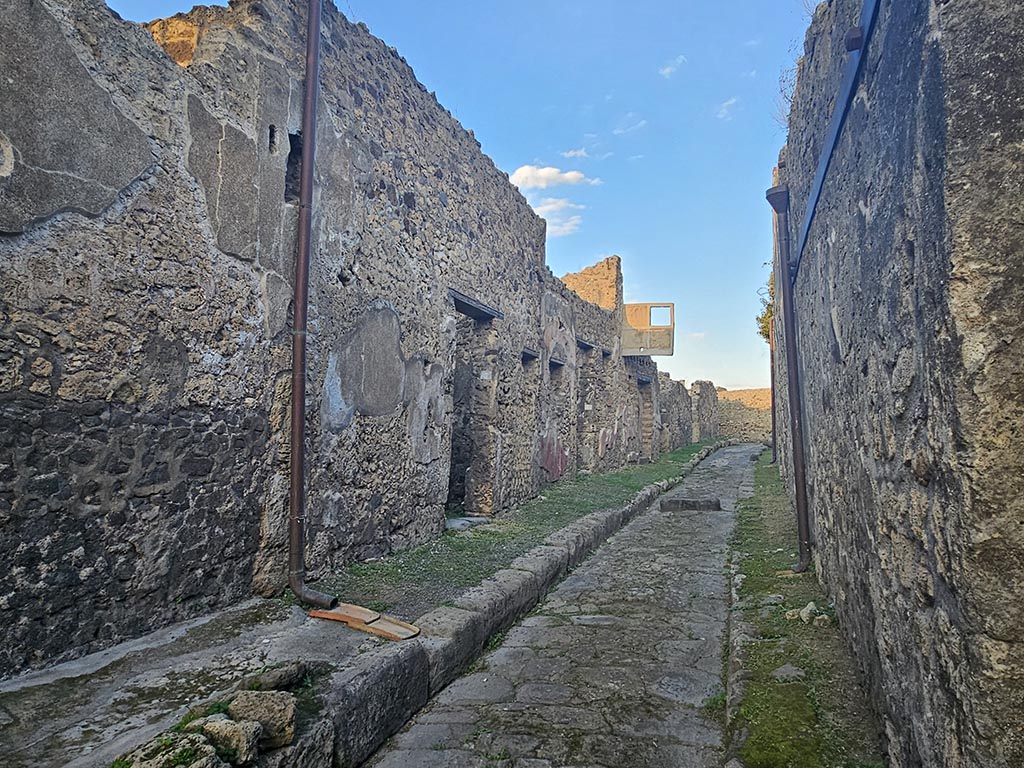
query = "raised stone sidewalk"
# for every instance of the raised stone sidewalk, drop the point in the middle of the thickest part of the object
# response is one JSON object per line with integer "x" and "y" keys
{"x": 616, "y": 666}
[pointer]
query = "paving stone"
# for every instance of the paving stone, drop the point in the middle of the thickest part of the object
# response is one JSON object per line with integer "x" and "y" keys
{"x": 479, "y": 688}
{"x": 613, "y": 666}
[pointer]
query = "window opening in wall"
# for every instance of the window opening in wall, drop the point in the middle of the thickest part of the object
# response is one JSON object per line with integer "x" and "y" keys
{"x": 661, "y": 317}
{"x": 293, "y": 171}
{"x": 272, "y": 140}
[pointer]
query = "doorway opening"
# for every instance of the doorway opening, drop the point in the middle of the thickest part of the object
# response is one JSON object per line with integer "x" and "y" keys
{"x": 471, "y": 479}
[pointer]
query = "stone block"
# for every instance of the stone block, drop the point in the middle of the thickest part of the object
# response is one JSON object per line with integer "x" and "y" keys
{"x": 452, "y": 638}
{"x": 374, "y": 698}
{"x": 573, "y": 540}
{"x": 313, "y": 748}
{"x": 502, "y": 598}
{"x": 273, "y": 710}
{"x": 549, "y": 564}
{"x": 240, "y": 737}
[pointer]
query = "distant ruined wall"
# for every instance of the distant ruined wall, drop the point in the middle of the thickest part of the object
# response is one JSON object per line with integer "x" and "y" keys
{"x": 676, "y": 413}
{"x": 148, "y": 204}
{"x": 911, "y": 346}
{"x": 745, "y": 414}
{"x": 704, "y": 397}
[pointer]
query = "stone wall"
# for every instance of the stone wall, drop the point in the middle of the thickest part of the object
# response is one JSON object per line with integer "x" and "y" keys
{"x": 911, "y": 342}
{"x": 147, "y": 216}
{"x": 676, "y": 413}
{"x": 704, "y": 397}
{"x": 745, "y": 414}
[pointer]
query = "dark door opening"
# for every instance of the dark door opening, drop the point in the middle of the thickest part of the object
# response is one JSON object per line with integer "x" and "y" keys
{"x": 471, "y": 482}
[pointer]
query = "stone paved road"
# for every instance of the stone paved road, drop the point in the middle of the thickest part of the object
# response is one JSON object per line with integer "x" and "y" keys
{"x": 613, "y": 667}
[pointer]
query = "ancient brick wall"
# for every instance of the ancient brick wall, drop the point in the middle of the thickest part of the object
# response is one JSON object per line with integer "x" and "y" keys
{"x": 911, "y": 342}
{"x": 147, "y": 221}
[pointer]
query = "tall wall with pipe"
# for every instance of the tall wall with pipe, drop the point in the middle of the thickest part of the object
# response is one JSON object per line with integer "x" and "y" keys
{"x": 150, "y": 197}
{"x": 910, "y": 347}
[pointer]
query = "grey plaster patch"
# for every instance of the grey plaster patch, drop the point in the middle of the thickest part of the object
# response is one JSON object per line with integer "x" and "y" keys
{"x": 335, "y": 413}
{"x": 65, "y": 146}
{"x": 370, "y": 363}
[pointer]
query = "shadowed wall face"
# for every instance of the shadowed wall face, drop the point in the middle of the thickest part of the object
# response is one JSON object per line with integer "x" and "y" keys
{"x": 911, "y": 345}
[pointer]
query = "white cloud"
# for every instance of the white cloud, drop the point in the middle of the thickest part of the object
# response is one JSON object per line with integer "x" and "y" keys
{"x": 563, "y": 228}
{"x": 535, "y": 177}
{"x": 631, "y": 122}
{"x": 581, "y": 152}
{"x": 672, "y": 67}
{"x": 753, "y": 43}
{"x": 605, "y": 156}
{"x": 557, "y": 211}
{"x": 725, "y": 109}
{"x": 552, "y": 205}
{"x": 636, "y": 157}
{"x": 697, "y": 335}
{"x": 751, "y": 75}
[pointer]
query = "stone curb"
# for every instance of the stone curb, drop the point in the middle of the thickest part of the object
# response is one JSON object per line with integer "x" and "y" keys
{"x": 373, "y": 699}
{"x": 740, "y": 634}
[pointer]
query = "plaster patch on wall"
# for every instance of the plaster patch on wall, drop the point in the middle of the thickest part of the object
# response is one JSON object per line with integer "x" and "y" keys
{"x": 335, "y": 413}
{"x": 370, "y": 364}
{"x": 6, "y": 156}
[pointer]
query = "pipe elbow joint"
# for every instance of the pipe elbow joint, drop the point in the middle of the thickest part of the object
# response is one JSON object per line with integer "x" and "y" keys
{"x": 306, "y": 594}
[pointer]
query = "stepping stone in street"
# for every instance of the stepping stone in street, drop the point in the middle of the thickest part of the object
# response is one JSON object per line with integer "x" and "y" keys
{"x": 691, "y": 503}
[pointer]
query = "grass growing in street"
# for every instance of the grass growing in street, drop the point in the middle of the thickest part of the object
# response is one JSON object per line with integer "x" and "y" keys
{"x": 821, "y": 720}
{"x": 412, "y": 582}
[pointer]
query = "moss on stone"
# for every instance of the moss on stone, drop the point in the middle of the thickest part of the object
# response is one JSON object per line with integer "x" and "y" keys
{"x": 412, "y": 582}
{"x": 821, "y": 720}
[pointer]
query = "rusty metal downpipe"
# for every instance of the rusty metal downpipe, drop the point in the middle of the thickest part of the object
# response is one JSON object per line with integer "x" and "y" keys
{"x": 778, "y": 198}
{"x": 300, "y": 305}
{"x": 771, "y": 363}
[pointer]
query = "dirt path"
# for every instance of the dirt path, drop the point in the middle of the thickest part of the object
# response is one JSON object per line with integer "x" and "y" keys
{"x": 616, "y": 665}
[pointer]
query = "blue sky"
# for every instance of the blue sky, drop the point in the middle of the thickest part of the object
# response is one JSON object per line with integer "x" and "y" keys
{"x": 659, "y": 116}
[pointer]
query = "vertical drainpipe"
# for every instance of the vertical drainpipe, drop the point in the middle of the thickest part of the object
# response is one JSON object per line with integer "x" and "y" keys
{"x": 778, "y": 198}
{"x": 300, "y": 304}
{"x": 771, "y": 363}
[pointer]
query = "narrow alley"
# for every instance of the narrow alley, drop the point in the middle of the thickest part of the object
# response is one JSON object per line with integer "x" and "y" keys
{"x": 617, "y": 664}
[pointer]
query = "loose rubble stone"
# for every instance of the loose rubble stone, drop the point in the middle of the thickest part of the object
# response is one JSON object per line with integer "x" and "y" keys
{"x": 176, "y": 750}
{"x": 807, "y": 613}
{"x": 196, "y": 726}
{"x": 788, "y": 673}
{"x": 240, "y": 737}
{"x": 273, "y": 710}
